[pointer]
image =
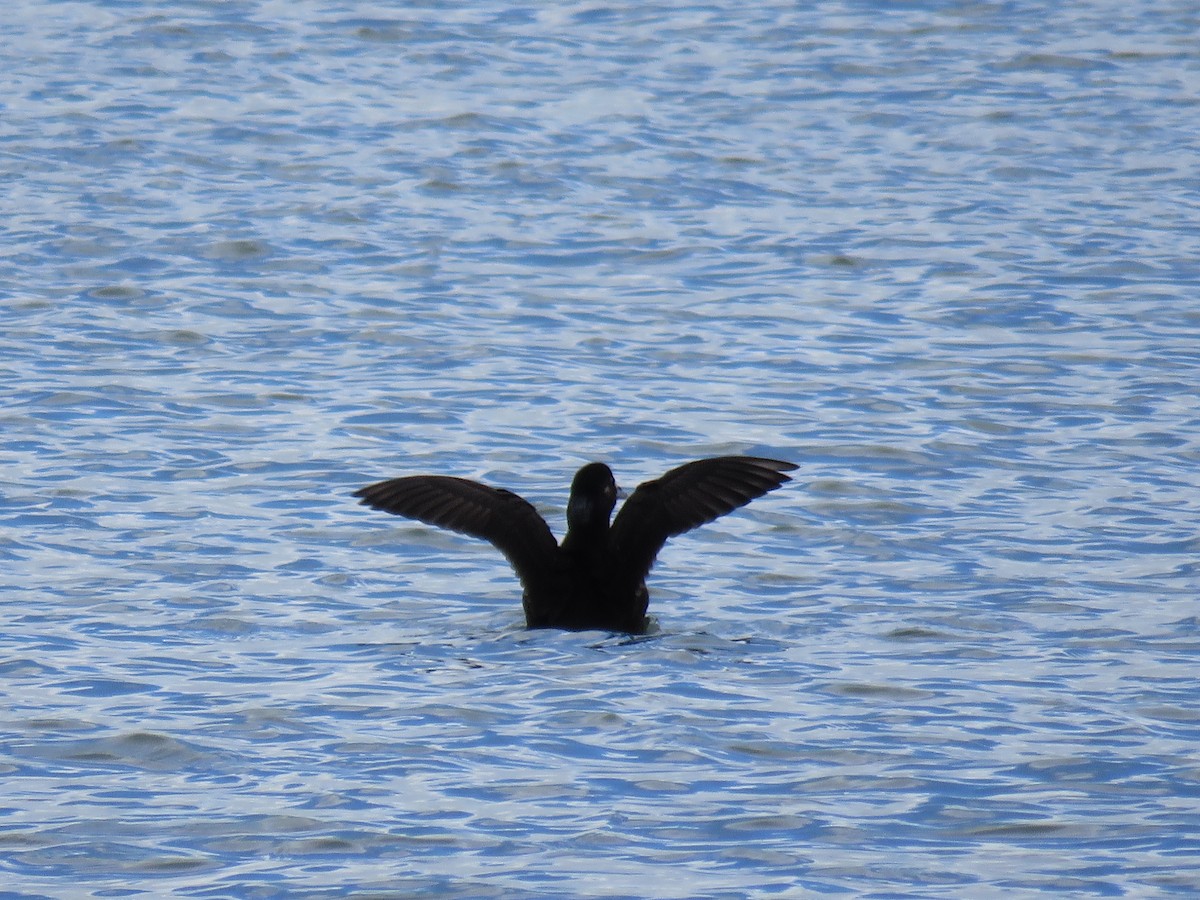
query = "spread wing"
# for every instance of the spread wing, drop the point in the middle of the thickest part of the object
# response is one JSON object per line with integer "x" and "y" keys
{"x": 685, "y": 498}
{"x": 502, "y": 518}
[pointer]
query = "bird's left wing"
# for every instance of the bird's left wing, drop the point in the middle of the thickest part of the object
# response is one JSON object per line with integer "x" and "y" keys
{"x": 504, "y": 519}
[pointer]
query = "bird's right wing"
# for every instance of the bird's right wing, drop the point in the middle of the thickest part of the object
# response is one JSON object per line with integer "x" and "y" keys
{"x": 685, "y": 498}
{"x": 505, "y": 520}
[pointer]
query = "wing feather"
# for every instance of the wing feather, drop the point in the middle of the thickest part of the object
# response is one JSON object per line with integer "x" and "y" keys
{"x": 685, "y": 498}
{"x": 500, "y": 517}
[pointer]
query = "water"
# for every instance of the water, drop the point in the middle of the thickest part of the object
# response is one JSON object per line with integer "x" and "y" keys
{"x": 944, "y": 256}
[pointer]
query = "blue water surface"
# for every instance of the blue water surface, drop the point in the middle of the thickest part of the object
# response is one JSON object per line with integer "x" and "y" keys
{"x": 944, "y": 256}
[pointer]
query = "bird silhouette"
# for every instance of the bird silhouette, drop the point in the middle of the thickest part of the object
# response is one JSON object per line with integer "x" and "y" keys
{"x": 595, "y": 579}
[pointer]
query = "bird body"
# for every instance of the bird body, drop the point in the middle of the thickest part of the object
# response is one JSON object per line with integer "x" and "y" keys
{"x": 597, "y": 577}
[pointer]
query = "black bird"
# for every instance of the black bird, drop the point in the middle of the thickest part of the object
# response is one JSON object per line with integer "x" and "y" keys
{"x": 597, "y": 577}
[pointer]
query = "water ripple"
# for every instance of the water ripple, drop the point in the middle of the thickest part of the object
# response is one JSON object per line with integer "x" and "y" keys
{"x": 257, "y": 256}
